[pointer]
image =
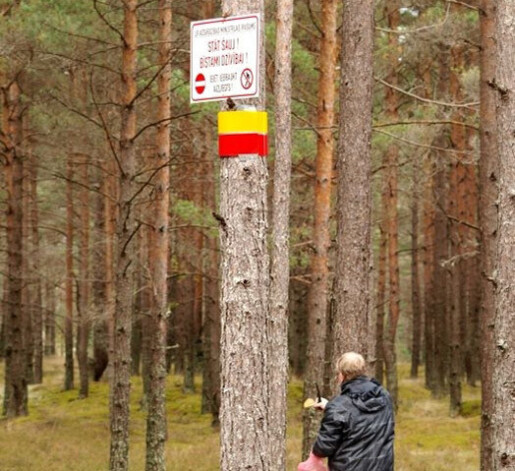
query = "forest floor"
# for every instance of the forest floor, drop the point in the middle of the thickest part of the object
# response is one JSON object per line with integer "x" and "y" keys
{"x": 63, "y": 433}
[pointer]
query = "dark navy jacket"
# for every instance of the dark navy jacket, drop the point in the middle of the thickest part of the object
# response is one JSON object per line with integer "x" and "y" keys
{"x": 358, "y": 428}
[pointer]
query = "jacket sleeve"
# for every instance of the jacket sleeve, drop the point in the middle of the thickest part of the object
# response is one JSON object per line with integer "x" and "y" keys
{"x": 332, "y": 431}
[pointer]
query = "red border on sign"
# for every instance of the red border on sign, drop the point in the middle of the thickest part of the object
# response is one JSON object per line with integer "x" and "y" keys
{"x": 225, "y": 20}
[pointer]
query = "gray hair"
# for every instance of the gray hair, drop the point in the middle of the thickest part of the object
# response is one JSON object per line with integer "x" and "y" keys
{"x": 351, "y": 365}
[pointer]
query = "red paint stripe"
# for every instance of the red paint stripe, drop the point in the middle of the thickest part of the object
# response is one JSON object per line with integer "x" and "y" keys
{"x": 232, "y": 145}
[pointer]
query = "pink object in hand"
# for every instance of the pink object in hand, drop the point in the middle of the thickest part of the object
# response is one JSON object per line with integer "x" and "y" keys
{"x": 313, "y": 463}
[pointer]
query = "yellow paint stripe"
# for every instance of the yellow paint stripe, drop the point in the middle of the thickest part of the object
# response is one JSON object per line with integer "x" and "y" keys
{"x": 234, "y": 122}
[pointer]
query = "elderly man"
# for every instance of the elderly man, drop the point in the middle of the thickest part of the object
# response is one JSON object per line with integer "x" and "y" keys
{"x": 357, "y": 430}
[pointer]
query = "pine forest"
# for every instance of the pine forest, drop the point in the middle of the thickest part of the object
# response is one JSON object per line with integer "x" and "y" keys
{"x": 191, "y": 238}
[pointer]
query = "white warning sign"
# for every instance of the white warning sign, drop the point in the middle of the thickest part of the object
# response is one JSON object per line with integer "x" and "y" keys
{"x": 224, "y": 58}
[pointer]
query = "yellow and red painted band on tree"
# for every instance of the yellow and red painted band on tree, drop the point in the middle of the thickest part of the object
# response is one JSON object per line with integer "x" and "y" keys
{"x": 242, "y": 132}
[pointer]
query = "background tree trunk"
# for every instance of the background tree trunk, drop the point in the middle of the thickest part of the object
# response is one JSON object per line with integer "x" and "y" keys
{"x": 416, "y": 312}
{"x": 68, "y": 321}
{"x": 392, "y": 224}
{"x": 50, "y": 308}
{"x": 37, "y": 306}
{"x": 381, "y": 287}
{"x": 488, "y": 181}
{"x": 318, "y": 299}
{"x": 125, "y": 236}
{"x": 98, "y": 287}
{"x": 83, "y": 318}
{"x": 457, "y": 295}
{"x": 158, "y": 261}
{"x": 353, "y": 264}
{"x": 280, "y": 256}
{"x": 15, "y": 392}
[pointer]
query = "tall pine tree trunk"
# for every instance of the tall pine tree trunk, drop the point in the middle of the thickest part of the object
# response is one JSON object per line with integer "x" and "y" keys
{"x": 416, "y": 311}
{"x": 211, "y": 305}
{"x": 245, "y": 288}
{"x": 37, "y": 305}
{"x": 353, "y": 214}
{"x": 98, "y": 287}
{"x": 457, "y": 299}
{"x": 68, "y": 320}
{"x": 125, "y": 260}
{"x": 318, "y": 299}
{"x": 392, "y": 224}
{"x": 15, "y": 389}
{"x": 441, "y": 249}
{"x": 381, "y": 286}
{"x": 280, "y": 266}
{"x": 27, "y": 294}
{"x": 83, "y": 317}
{"x": 428, "y": 223}
{"x": 503, "y": 344}
{"x": 488, "y": 181}
{"x": 156, "y": 416}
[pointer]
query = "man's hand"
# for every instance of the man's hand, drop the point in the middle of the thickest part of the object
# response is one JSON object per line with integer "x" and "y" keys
{"x": 313, "y": 463}
{"x": 320, "y": 405}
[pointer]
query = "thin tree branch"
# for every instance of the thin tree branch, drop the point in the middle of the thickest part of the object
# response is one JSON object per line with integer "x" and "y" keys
{"x": 467, "y": 5}
{"x": 469, "y": 106}
{"x": 145, "y": 184}
{"x": 104, "y": 19}
{"x": 170, "y": 118}
{"x": 79, "y": 61}
{"x": 426, "y": 122}
{"x": 80, "y": 36}
{"x": 311, "y": 126}
{"x": 313, "y": 19}
{"x": 77, "y": 112}
{"x": 418, "y": 144}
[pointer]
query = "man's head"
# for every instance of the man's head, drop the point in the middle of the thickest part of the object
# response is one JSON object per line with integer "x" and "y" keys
{"x": 350, "y": 365}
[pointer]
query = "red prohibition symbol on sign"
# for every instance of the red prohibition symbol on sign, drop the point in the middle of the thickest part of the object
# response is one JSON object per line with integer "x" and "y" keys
{"x": 200, "y": 83}
{"x": 247, "y": 79}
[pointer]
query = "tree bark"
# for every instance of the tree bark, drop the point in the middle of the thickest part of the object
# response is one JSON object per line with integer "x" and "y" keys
{"x": 110, "y": 218}
{"x": 280, "y": 256}
{"x": 68, "y": 320}
{"x": 125, "y": 260}
{"x": 392, "y": 160}
{"x": 83, "y": 317}
{"x": 353, "y": 264}
{"x": 504, "y": 331}
{"x": 488, "y": 193}
{"x": 381, "y": 287}
{"x": 158, "y": 261}
{"x": 429, "y": 213}
{"x": 318, "y": 299}
{"x": 245, "y": 288}
{"x": 37, "y": 305}
{"x": 15, "y": 386}
{"x": 441, "y": 250}
{"x": 415, "y": 274}
{"x": 457, "y": 294}
{"x": 98, "y": 287}
{"x": 27, "y": 293}
{"x": 50, "y": 308}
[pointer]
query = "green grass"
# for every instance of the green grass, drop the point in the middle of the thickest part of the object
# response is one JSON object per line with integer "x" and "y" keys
{"x": 63, "y": 433}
